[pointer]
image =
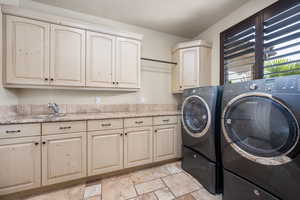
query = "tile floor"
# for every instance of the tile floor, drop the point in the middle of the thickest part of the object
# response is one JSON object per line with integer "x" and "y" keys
{"x": 164, "y": 182}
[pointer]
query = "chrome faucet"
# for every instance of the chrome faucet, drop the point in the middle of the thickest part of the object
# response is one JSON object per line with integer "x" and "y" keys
{"x": 54, "y": 107}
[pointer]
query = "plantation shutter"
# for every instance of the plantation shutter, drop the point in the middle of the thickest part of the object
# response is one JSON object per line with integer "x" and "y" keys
{"x": 281, "y": 34}
{"x": 239, "y": 52}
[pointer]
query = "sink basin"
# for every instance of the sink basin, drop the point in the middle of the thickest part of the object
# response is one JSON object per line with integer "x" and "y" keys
{"x": 51, "y": 116}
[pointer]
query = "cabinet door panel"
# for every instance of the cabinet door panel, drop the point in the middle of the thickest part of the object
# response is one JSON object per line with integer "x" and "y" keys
{"x": 105, "y": 151}
{"x": 67, "y": 56}
{"x": 27, "y": 53}
{"x": 128, "y": 67}
{"x": 164, "y": 142}
{"x": 100, "y": 69}
{"x": 20, "y": 164}
{"x": 64, "y": 157}
{"x": 138, "y": 147}
{"x": 189, "y": 65}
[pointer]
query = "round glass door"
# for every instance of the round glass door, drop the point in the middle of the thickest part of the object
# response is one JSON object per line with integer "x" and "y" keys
{"x": 260, "y": 126}
{"x": 196, "y": 116}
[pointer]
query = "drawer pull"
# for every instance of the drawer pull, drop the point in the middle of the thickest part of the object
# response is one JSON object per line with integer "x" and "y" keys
{"x": 139, "y": 122}
{"x": 105, "y": 125}
{"x": 166, "y": 120}
{"x": 17, "y": 131}
{"x": 65, "y": 127}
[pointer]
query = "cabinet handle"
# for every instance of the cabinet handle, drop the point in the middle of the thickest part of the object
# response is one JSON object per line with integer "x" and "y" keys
{"x": 65, "y": 127}
{"x": 16, "y": 131}
{"x": 180, "y": 86}
{"x": 44, "y": 142}
{"x": 104, "y": 125}
{"x": 139, "y": 122}
{"x": 36, "y": 143}
{"x": 166, "y": 120}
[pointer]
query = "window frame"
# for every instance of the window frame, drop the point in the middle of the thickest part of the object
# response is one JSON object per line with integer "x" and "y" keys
{"x": 258, "y": 21}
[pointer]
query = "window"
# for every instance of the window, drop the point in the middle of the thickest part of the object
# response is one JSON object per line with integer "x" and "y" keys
{"x": 263, "y": 46}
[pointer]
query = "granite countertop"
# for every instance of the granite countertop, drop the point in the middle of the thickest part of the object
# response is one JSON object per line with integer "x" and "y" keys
{"x": 23, "y": 119}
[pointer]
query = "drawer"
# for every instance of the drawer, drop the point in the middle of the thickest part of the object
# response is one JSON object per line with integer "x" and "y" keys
{"x": 63, "y": 127}
{"x": 164, "y": 120}
{"x": 20, "y": 130}
{"x": 95, "y": 125}
{"x": 138, "y": 122}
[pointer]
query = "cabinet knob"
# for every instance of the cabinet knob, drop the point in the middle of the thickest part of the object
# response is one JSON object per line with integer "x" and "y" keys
{"x": 125, "y": 133}
{"x": 155, "y": 131}
{"x": 121, "y": 134}
{"x": 46, "y": 79}
{"x": 114, "y": 82}
{"x": 44, "y": 142}
{"x": 36, "y": 143}
{"x": 51, "y": 79}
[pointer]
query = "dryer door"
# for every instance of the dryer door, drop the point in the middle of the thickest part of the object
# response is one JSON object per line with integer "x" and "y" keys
{"x": 196, "y": 116}
{"x": 260, "y": 128}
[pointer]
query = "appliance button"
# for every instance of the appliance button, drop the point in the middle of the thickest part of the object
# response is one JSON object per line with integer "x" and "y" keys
{"x": 256, "y": 192}
{"x": 253, "y": 87}
{"x": 228, "y": 121}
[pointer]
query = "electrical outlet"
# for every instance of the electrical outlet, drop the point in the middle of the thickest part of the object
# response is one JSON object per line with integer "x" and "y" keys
{"x": 98, "y": 100}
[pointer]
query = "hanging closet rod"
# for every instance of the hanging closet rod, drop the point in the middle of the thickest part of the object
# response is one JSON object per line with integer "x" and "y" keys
{"x": 161, "y": 61}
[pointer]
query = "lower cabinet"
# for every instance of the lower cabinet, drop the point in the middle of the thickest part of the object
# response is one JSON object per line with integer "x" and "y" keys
{"x": 165, "y": 142}
{"x": 63, "y": 157}
{"x": 105, "y": 151}
{"x": 138, "y": 145}
{"x": 20, "y": 164}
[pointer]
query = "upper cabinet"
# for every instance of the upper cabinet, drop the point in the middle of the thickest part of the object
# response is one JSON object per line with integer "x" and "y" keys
{"x": 63, "y": 55}
{"x": 100, "y": 62}
{"x": 193, "y": 67}
{"x": 27, "y": 51}
{"x": 67, "y": 64}
{"x": 128, "y": 67}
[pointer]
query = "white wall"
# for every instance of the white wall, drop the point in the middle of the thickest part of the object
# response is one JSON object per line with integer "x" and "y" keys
{"x": 156, "y": 77}
{"x": 212, "y": 34}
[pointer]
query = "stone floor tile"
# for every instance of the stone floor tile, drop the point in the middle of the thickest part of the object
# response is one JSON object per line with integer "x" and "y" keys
{"x": 180, "y": 184}
{"x": 164, "y": 194}
{"x": 148, "y": 196}
{"x": 186, "y": 197}
{"x": 149, "y": 186}
{"x": 149, "y": 174}
{"x": 174, "y": 168}
{"x": 203, "y": 194}
{"x": 118, "y": 188}
{"x": 72, "y": 193}
{"x": 93, "y": 198}
{"x": 92, "y": 190}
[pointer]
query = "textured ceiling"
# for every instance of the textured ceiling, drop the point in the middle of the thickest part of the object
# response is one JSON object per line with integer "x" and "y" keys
{"x": 186, "y": 18}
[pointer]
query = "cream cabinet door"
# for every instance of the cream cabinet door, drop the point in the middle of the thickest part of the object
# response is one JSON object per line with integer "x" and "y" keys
{"x": 20, "y": 167}
{"x": 100, "y": 63}
{"x": 128, "y": 64}
{"x": 63, "y": 157}
{"x": 165, "y": 142}
{"x": 138, "y": 146}
{"x": 105, "y": 151}
{"x": 67, "y": 64}
{"x": 189, "y": 66}
{"x": 27, "y": 51}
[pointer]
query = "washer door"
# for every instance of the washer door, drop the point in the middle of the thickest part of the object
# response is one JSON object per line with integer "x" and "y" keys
{"x": 260, "y": 128}
{"x": 196, "y": 116}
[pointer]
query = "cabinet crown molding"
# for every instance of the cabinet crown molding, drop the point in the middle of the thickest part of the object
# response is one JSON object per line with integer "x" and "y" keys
{"x": 32, "y": 14}
{"x": 189, "y": 44}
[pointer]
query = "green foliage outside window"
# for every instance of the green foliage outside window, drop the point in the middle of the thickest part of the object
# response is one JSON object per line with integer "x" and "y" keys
{"x": 286, "y": 69}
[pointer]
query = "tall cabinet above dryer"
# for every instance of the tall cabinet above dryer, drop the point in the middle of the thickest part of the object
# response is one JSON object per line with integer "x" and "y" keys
{"x": 193, "y": 68}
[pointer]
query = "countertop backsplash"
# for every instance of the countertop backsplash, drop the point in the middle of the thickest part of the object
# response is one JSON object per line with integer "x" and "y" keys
{"x": 42, "y": 109}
